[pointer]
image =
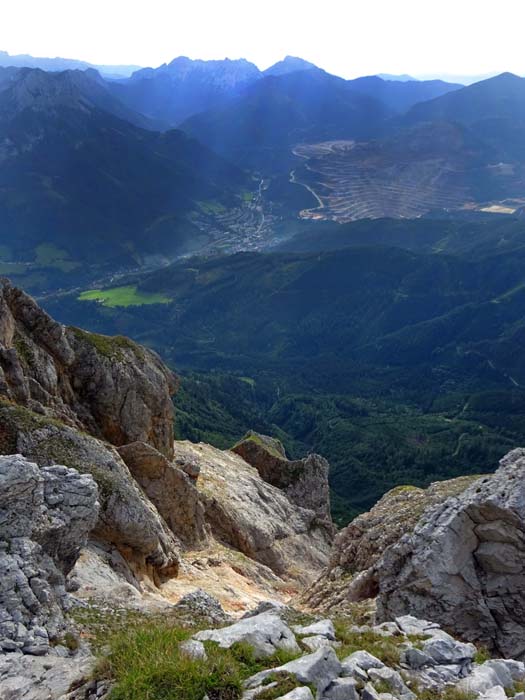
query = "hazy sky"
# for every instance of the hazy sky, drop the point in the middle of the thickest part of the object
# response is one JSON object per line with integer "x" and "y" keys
{"x": 346, "y": 37}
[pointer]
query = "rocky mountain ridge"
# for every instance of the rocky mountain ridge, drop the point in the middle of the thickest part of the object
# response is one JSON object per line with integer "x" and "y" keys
{"x": 452, "y": 554}
{"x": 93, "y": 482}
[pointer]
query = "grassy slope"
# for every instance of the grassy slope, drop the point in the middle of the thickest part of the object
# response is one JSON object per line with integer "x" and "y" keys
{"x": 127, "y": 295}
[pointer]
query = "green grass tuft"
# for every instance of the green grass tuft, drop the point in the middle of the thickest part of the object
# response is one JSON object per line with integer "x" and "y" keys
{"x": 386, "y": 649}
{"x": 450, "y": 693}
{"x": 109, "y": 346}
{"x": 144, "y": 663}
{"x": 482, "y": 655}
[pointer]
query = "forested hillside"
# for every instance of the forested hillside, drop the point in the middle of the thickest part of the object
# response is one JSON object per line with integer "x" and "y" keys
{"x": 399, "y": 366}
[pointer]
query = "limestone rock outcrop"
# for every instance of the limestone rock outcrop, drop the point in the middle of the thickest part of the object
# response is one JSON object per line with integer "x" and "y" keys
{"x": 265, "y": 633}
{"x": 45, "y": 517}
{"x": 305, "y": 481}
{"x": 453, "y": 554}
{"x": 171, "y": 491}
{"x": 127, "y": 518}
{"x": 166, "y": 510}
{"x": 464, "y": 564}
{"x": 110, "y": 387}
{"x": 360, "y": 545}
{"x": 254, "y": 517}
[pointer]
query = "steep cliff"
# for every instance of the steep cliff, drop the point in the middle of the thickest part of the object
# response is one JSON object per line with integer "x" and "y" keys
{"x": 102, "y": 406}
{"x": 453, "y": 554}
{"x": 109, "y": 387}
{"x": 464, "y": 563}
{"x": 305, "y": 481}
{"x": 255, "y": 517}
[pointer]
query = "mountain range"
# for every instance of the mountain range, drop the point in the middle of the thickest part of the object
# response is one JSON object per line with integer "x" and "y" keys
{"x": 91, "y": 171}
{"x": 332, "y": 267}
{"x": 61, "y": 64}
{"x": 81, "y": 183}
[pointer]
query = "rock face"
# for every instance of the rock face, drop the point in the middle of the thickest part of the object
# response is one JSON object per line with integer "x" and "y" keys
{"x": 127, "y": 519}
{"x": 110, "y": 387}
{"x": 361, "y": 544}
{"x": 255, "y": 517}
{"x": 170, "y": 489}
{"x": 305, "y": 481}
{"x": 464, "y": 564}
{"x": 454, "y": 554}
{"x": 45, "y": 517}
{"x": 102, "y": 406}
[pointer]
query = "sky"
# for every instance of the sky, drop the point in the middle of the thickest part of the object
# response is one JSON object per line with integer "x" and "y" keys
{"x": 345, "y": 37}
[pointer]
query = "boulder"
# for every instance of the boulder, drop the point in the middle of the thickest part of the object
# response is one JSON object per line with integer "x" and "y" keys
{"x": 369, "y": 693}
{"x": 496, "y": 693}
{"x": 193, "y": 649}
{"x": 341, "y": 689}
{"x": 492, "y": 674}
{"x": 317, "y": 641}
{"x": 324, "y": 628}
{"x": 450, "y": 568}
{"x": 267, "y": 606}
{"x": 363, "y": 659}
{"x": 393, "y": 680}
{"x": 320, "y": 669}
{"x": 410, "y": 625}
{"x": 301, "y": 693}
{"x": 415, "y": 659}
{"x": 446, "y": 650}
{"x": 199, "y": 605}
{"x": 266, "y": 633}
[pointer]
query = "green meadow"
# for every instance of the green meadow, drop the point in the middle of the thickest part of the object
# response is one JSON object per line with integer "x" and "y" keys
{"x": 123, "y": 296}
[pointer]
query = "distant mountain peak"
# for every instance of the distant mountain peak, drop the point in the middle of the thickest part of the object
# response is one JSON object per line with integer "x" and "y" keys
{"x": 507, "y": 76}
{"x": 42, "y": 91}
{"x": 223, "y": 72}
{"x": 290, "y": 64}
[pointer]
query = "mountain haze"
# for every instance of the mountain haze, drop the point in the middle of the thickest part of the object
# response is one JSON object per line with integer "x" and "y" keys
{"x": 260, "y": 128}
{"x": 175, "y": 91}
{"x": 78, "y": 177}
{"x": 61, "y": 64}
